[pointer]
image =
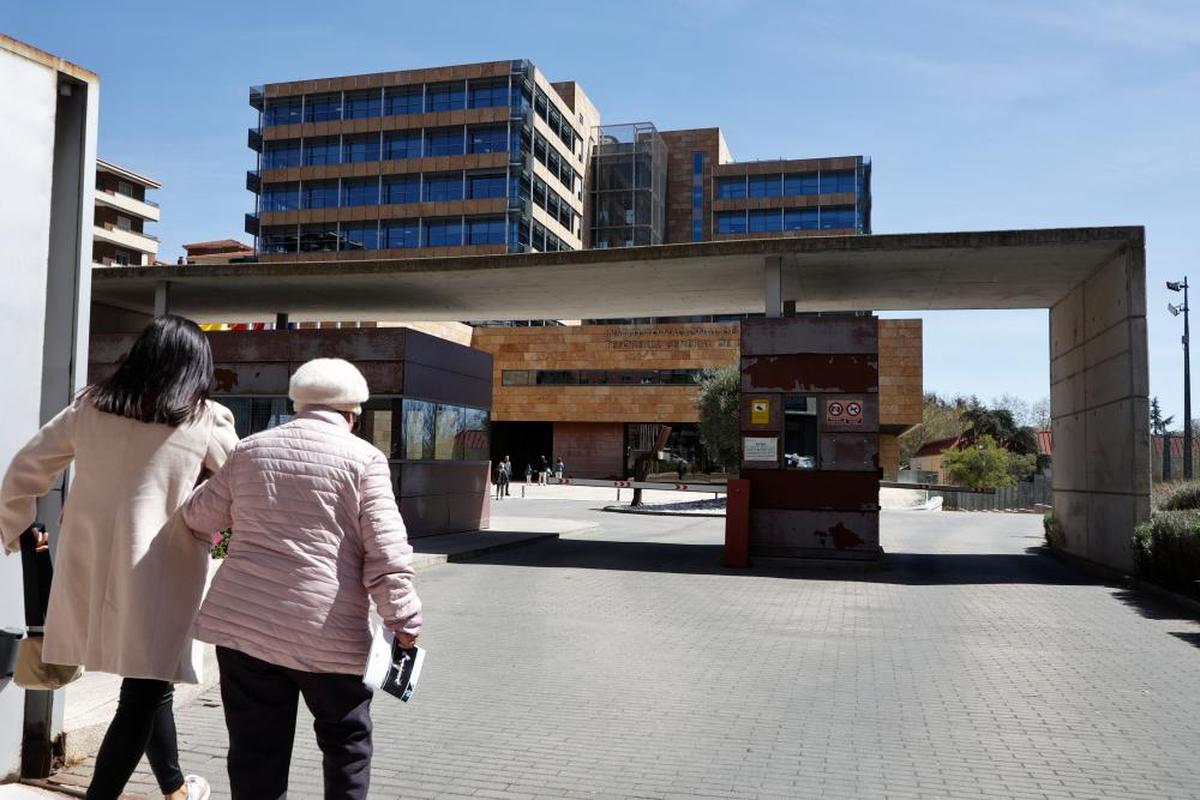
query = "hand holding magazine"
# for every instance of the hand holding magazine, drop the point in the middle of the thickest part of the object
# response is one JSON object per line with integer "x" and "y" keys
{"x": 393, "y": 668}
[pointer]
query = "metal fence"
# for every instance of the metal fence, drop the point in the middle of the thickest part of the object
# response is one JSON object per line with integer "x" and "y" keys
{"x": 1022, "y": 496}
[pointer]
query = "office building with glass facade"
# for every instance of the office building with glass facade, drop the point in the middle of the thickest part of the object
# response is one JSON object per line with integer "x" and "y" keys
{"x": 470, "y": 159}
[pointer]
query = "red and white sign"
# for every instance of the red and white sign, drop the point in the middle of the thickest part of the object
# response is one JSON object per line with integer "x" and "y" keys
{"x": 844, "y": 412}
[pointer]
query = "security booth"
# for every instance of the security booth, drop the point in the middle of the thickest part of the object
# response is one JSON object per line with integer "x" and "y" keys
{"x": 429, "y": 409}
{"x": 810, "y": 436}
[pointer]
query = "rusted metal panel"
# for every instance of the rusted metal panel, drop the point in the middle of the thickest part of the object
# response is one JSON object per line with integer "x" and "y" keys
{"x": 383, "y": 377}
{"x": 808, "y": 534}
{"x": 850, "y": 451}
{"x": 264, "y": 379}
{"x": 352, "y": 344}
{"x": 823, "y": 335}
{"x": 813, "y": 490}
{"x": 249, "y": 346}
{"x": 807, "y": 372}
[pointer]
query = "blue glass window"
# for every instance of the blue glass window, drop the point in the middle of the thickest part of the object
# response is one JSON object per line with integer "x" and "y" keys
{"x": 321, "y": 151}
{"x": 402, "y": 144}
{"x": 489, "y": 93}
{"x": 697, "y": 196}
{"x": 799, "y": 219}
{"x": 445, "y": 96}
{"x": 448, "y": 186}
{"x": 837, "y": 218}
{"x": 443, "y": 233}
{"x": 731, "y": 188}
{"x": 360, "y": 105}
{"x": 404, "y": 100}
{"x": 281, "y": 197}
{"x": 444, "y": 142}
{"x": 406, "y": 189}
{"x": 489, "y": 139}
{"x": 731, "y": 222}
{"x": 833, "y": 182}
{"x": 767, "y": 220}
{"x": 360, "y": 236}
{"x": 360, "y": 148}
{"x": 401, "y": 233}
{"x": 487, "y": 230}
{"x": 284, "y": 111}
{"x": 281, "y": 154}
{"x": 765, "y": 186}
{"x": 282, "y": 239}
{"x": 481, "y": 186}
{"x": 319, "y": 194}
{"x": 796, "y": 184}
{"x": 360, "y": 192}
{"x": 322, "y": 107}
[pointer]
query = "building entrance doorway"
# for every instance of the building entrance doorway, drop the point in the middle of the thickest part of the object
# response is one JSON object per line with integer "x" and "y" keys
{"x": 524, "y": 442}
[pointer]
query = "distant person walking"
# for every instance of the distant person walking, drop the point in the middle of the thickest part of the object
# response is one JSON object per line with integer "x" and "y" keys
{"x": 508, "y": 474}
{"x": 501, "y": 480}
{"x": 528, "y": 473}
{"x": 559, "y": 468}
{"x": 128, "y": 577}
{"x": 316, "y": 537}
{"x": 543, "y": 469}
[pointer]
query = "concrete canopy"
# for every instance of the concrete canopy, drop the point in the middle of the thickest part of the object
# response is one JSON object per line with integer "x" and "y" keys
{"x": 996, "y": 269}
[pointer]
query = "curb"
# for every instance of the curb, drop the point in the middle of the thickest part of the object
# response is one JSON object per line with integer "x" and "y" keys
{"x": 654, "y": 513}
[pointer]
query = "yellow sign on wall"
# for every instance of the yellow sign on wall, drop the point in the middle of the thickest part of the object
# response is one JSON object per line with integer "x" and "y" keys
{"x": 760, "y": 411}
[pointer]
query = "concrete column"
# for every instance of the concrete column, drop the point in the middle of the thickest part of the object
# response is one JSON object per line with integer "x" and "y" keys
{"x": 162, "y": 298}
{"x": 773, "y": 286}
{"x": 1099, "y": 382}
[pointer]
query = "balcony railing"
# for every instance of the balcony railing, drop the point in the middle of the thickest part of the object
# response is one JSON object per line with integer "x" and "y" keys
{"x": 253, "y": 181}
{"x": 252, "y": 224}
{"x": 254, "y": 139}
{"x": 112, "y": 193}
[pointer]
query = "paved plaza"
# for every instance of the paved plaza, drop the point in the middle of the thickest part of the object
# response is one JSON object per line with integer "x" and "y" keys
{"x": 624, "y": 662}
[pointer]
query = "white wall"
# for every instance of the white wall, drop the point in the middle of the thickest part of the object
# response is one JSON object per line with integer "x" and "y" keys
{"x": 42, "y": 363}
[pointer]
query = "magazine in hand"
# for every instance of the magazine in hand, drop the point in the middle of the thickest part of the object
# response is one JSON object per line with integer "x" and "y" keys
{"x": 393, "y": 668}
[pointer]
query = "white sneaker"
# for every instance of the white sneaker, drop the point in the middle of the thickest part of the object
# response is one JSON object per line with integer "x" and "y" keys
{"x": 197, "y": 788}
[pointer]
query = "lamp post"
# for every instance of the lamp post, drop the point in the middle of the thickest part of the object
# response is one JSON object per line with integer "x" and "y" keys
{"x": 1182, "y": 286}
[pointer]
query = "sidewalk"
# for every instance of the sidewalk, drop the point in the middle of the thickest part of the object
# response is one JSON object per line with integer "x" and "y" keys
{"x": 92, "y": 700}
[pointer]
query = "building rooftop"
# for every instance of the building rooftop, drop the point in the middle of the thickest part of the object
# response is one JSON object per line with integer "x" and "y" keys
{"x": 128, "y": 174}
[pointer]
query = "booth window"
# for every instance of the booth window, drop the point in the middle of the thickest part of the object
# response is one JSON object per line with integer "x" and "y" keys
{"x": 799, "y": 431}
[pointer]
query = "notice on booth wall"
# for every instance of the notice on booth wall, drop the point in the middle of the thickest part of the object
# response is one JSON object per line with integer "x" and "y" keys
{"x": 760, "y": 411}
{"x": 760, "y": 448}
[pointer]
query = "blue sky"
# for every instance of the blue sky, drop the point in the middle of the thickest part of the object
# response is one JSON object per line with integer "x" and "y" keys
{"x": 977, "y": 115}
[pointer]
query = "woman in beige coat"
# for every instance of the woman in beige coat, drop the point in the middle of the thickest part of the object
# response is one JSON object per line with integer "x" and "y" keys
{"x": 129, "y": 576}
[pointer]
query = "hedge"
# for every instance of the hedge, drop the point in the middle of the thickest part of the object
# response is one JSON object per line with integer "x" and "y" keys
{"x": 1167, "y": 549}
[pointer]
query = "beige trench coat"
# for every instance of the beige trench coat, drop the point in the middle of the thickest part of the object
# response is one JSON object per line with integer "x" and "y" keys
{"x": 128, "y": 575}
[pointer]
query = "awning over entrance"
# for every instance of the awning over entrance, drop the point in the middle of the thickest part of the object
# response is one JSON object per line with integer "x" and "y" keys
{"x": 993, "y": 269}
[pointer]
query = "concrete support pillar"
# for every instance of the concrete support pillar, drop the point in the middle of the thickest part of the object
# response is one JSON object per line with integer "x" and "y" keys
{"x": 162, "y": 298}
{"x": 1099, "y": 382}
{"x": 773, "y": 286}
{"x": 281, "y": 321}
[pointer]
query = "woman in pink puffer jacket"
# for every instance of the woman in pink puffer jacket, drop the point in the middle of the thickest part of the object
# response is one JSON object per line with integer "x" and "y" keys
{"x": 316, "y": 533}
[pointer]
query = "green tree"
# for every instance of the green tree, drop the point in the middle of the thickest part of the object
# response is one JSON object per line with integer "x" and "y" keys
{"x": 719, "y": 404}
{"x": 1159, "y": 425}
{"x": 981, "y": 464}
{"x": 941, "y": 419}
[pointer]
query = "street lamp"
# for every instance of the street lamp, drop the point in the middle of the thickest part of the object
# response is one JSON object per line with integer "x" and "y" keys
{"x": 1182, "y": 286}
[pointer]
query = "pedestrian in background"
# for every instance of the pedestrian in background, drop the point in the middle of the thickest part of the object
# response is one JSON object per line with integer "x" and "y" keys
{"x": 501, "y": 481}
{"x": 543, "y": 469}
{"x": 528, "y": 473}
{"x": 560, "y": 468}
{"x": 128, "y": 576}
{"x": 508, "y": 475}
{"x": 317, "y": 536}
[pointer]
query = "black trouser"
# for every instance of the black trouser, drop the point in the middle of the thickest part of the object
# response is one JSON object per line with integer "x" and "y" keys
{"x": 260, "y": 702}
{"x": 144, "y": 723}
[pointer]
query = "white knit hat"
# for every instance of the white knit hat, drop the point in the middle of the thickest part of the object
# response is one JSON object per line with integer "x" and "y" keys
{"x": 331, "y": 382}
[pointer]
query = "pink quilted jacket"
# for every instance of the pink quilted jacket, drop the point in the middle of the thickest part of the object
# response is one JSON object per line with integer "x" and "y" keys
{"x": 316, "y": 530}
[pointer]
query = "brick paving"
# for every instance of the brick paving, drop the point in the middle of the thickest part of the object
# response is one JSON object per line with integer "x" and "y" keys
{"x": 625, "y": 663}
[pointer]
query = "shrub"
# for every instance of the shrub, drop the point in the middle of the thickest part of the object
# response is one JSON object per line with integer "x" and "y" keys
{"x": 1181, "y": 497}
{"x": 1167, "y": 549}
{"x": 1053, "y": 531}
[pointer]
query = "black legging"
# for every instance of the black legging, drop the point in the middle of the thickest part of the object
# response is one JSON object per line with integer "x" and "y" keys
{"x": 144, "y": 723}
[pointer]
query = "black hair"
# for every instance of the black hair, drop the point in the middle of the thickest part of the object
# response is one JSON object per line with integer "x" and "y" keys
{"x": 165, "y": 378}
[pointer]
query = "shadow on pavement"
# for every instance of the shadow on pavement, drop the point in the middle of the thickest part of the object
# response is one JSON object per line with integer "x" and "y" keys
{"x": 1030, "y": 567}
{"x": 1153, "y": 607}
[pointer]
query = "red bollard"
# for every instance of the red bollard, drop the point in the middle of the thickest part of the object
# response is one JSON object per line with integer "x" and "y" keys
{"x": 737, "y": 524}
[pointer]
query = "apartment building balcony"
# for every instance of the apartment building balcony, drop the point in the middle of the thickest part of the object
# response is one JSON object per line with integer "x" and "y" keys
{"x": 132, "y": 240}
{"x": 146, "y": 209}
